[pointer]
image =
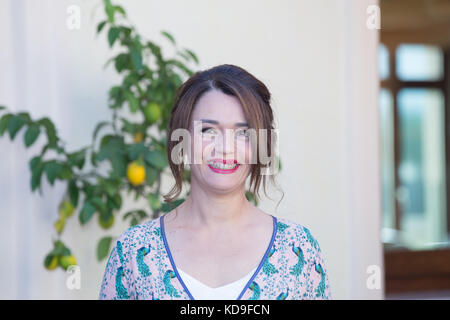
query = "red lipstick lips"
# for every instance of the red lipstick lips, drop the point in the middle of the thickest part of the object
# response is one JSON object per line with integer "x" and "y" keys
{"x": 221, "y": 169}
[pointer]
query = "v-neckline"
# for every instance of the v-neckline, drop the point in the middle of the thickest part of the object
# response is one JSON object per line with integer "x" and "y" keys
{"x": 249, "y": 282}
{"x": 217, "y": 288}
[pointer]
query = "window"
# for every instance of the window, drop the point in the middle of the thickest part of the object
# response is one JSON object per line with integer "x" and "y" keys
{"x": 414, "y": 106}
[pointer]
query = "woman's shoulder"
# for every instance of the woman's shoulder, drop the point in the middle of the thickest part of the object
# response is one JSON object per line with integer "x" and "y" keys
{"x": 141, "y": 234}
{"x": 291, "y": 231}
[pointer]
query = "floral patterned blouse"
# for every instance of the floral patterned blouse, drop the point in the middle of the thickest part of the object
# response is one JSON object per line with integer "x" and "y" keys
{"x": 141, "y": 266}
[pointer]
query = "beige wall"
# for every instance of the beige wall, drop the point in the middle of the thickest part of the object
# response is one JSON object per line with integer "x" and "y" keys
{"x": 318, "y": 58}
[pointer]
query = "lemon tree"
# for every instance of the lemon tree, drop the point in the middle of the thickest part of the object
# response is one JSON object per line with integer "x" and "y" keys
{"x": 136, "y": 157}
{"x": 135, "y": 154}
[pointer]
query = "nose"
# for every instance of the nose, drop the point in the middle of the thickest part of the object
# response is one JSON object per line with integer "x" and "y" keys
{"x": 225, "y": 143}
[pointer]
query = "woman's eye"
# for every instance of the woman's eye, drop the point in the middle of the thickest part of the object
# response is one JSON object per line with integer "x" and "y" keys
{"x": 242, "y": 133}
{"x": 209, "y": 130}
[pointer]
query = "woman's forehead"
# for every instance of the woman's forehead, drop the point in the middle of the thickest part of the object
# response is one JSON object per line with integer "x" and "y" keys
{"x": 217, "y": 106}
{"x": 237, "y": 124}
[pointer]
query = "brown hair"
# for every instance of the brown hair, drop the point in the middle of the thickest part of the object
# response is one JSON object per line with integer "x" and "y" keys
{"x": 254, "y": 98}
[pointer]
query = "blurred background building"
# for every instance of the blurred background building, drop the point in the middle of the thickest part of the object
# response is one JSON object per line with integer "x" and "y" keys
{"x": 414, "y": 72}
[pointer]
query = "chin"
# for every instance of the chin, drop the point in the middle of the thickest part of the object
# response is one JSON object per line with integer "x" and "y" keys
{"x": 222, "y": 183}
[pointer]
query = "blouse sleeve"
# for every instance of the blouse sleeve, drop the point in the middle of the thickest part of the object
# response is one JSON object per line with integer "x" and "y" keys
{"x": 114, "y": 285}
{"x": 319, "y": 287}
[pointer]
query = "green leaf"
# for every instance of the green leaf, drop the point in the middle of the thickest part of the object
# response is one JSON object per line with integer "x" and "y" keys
{"x": 136, "y": 150}
{"x": 73, "y": 192}
{"x": 100, "y": 26}
{"x": 122, "y": 62}
{"x": 60, "y": 249}
{"x": 77, "y": 158}
{"x": 99, "y": 204}
{"x": 88, "y": 189}
{"x": 14, "y": 125}
{"x": 110, "y": 146}
{"x": 36, "y": 174}
{"x": 110, "y": 187}
{"x": 153, "y": 200}
{"x": 25, "y": 116}
{"x": 106, "y": 139}
{"x": 136, "y": 58}
{"x": 116, "y": 201}
{"x": 98, "y": 127}
{"x": 113, "y": 34}
{"x": 65, "y": 173}
{"x": 120, "y": 10}
{"x": 184, "y": 55}
{"x": 132, "y": 101}
{"x": 126, "y": 215}
{"x": 151, "y": 175}
{"x": 52, "y": 170}
{"x": 106, "y": 219}
{"x": 4, "y": 122}
{"x": 116, "y": 97}
{"x": 2, "y": 107}
{"x": 119, "y": 166}
{"x": 156, "y": 159}
{"x": 113, "y": 148}
{"x": 103, "y": 248}
{"x": 109, "y": 10}
{"x": 128, "y": 126}
{"x": 142, "y": 214}
{"x": 155, "y": 49}
{"x": 193, "y": 56}
{"x": 134, "y": 221}
{"x": 86, "y": 212}
{"x": 126, "y": 31}
{"x": 180, "y": 66}
{"x": 169, "y": 37}
{"x": 31, "y": 134}
{"x": 34, "y": 161}
{"x": 50, "y": 130}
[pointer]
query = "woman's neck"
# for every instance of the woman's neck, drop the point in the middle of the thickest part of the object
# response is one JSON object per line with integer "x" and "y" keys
{"x": 211, "y": 211}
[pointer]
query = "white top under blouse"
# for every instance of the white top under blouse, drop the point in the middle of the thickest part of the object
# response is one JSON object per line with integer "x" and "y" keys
{"x": 201, "y": 291}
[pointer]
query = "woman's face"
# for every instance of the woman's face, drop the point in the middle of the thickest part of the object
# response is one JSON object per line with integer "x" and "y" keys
{"x": 220, "y": 144}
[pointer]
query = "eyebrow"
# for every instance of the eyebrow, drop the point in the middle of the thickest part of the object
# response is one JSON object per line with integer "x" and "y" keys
{"x": 237, "y": 124}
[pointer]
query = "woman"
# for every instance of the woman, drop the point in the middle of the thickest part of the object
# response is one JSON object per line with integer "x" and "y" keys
{"x": 216, "y": 244}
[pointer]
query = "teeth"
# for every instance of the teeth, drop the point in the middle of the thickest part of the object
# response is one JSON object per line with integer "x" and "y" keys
{"x": 222, "y": 166}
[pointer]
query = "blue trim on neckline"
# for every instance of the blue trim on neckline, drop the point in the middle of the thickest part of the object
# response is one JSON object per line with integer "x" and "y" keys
{"x": 172, "y": 262}
{"x": 274, "y": 232}
{"x": 174, "y": 267}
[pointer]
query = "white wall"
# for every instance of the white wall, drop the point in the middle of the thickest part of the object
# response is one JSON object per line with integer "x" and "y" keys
{"x": 317, "y": 58}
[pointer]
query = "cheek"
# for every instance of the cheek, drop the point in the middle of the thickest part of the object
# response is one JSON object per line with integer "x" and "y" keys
{"x": 200, "y": 148}
{"x": 243, "y": 151}
{"x": 207, "y": 148}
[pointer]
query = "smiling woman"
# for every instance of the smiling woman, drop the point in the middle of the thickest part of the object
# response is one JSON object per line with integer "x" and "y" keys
{"x": 217, "y": 244}
{"x": 225, "y": 97}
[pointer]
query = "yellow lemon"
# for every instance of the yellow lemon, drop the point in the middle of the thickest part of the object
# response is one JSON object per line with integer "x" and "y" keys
{"x": 67, "y": 261}
{"x": 136, "y": 173}
{"x": 152, "y": 112}
{"x": 138, "y": 137}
